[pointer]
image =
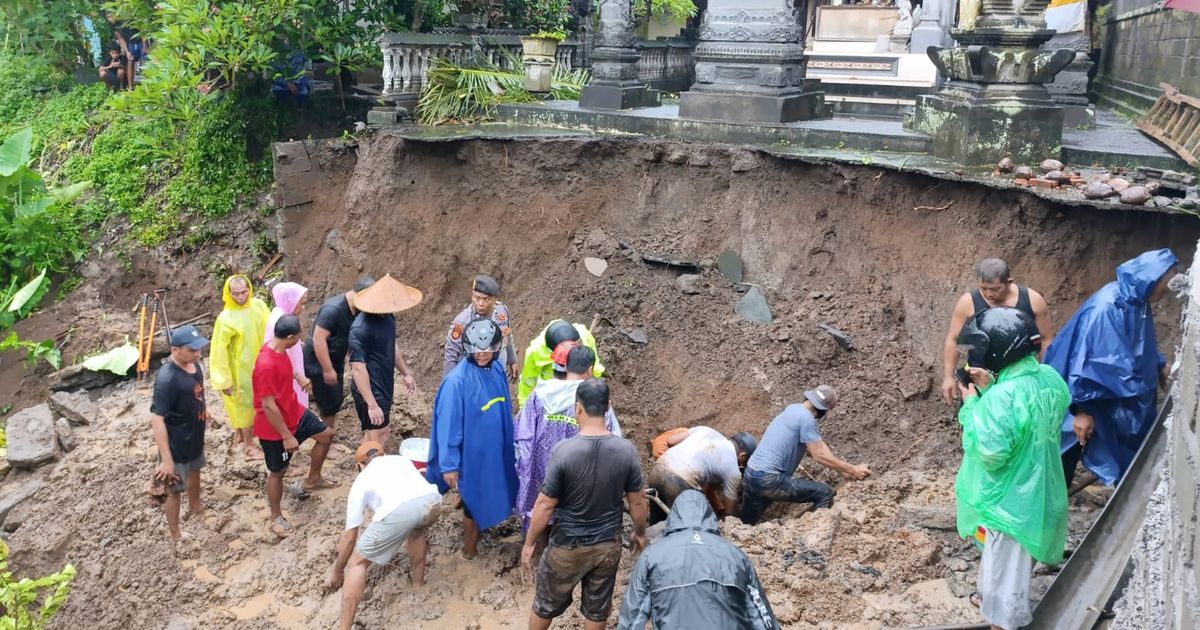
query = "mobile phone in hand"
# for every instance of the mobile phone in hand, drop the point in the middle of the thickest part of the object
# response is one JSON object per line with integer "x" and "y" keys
{"x": 963, "y": 377}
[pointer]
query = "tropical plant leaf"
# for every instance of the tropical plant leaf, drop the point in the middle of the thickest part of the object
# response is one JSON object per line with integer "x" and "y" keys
{"x": 26, "y": 292}
{"x": 67, "y": 194}
{"x": 14, "y": 153}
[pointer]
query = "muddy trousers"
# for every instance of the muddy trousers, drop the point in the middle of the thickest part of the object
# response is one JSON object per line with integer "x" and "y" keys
{"x": 760, "y": 489}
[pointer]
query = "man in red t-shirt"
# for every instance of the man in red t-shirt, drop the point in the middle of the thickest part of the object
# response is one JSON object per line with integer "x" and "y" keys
{"x": 281, "y": 423}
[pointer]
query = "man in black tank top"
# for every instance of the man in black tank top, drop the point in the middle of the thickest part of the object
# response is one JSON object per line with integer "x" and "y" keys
{"x": 996, "y": 288}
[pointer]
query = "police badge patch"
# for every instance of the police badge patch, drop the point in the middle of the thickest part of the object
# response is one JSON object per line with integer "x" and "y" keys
{"x": 456, "y": 331}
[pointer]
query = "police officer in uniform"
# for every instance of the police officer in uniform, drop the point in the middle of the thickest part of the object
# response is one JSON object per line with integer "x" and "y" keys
{"x": 485, "y": 292}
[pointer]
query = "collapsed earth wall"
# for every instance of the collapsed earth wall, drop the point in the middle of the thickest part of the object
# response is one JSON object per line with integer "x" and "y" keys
{"x": 1164, "y": 591}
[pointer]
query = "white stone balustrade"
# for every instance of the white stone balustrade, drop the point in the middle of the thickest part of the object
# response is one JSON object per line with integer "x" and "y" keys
{"x": 408, "y": 57}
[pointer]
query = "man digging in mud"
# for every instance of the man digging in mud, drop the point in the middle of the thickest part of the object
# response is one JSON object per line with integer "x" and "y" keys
{"x": 281, "y": 424}
{"x": 179, "y": 420}
{"x": 237, "y": 338}
{"x": 471, "y": 441}
{"x": 789, "y": 437}
{"x": 702, "y": 459}
{"x": 375, "y": 354}
{"x": 325, "y": 351}
{"x": 996, "y": 288}
{"x": 403, "y": 507}
{"x": 485, "y": 293}
{"x": 586, "y": 480}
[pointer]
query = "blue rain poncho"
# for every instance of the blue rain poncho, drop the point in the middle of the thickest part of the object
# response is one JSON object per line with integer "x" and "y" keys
{"x": 1109, "y": 357}
{"x": 1011, "y": 477}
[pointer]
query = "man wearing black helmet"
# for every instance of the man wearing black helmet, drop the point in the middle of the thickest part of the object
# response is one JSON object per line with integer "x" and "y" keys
{"x": 702, "y": 459}
{"x": 1010, "y": 493}
{"x": 485, "y": 302}
{"x": 539, "y": 357}
{"x": 471, "y": 446}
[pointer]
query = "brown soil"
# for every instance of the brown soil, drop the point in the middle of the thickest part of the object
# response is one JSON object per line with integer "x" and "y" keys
{"x": 829, "y": 244}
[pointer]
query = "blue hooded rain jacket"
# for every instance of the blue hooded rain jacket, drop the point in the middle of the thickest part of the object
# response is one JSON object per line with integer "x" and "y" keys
{"x": 1108, "y": 355}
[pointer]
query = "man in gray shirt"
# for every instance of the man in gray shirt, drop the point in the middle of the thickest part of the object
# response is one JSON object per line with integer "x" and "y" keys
{"x": 791, "y": 435}
{"x": 586, "y": 480}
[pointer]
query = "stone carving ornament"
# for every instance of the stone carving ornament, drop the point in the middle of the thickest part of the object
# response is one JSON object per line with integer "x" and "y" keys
{"x": 776, "y": 26}
{"x": 616, "y": 24}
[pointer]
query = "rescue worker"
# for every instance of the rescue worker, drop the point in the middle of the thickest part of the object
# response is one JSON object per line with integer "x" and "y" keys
{"x": 701, "y": 459}
{"x": 790, "y": 436}
{"x": 237, "y": 337}
{"x": 548, "y": 418}
{"x": 996, "y": 288}
{"x": 692, "y": 578}
{"x": 539, "y": 359}
{"x": 375, "y": 354}
{"x": 485, "y": 294}
{"x": 471, "y": 441}
{"x": 1108, "y": 354}
{"x": 1009, "y": 490}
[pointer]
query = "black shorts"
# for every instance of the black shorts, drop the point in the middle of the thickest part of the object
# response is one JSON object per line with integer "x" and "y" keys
{"x": 328, "y": 398}
{"x": 277, "y": 458}
{"x": 364, "y": 418}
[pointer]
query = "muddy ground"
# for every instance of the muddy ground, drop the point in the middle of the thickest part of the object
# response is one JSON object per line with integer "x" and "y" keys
{"x": 827, "y": 244}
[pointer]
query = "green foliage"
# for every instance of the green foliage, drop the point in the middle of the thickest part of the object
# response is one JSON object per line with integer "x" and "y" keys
{"x": 50, "y": 30}
{"x": 676, "y": 9}
{"x": 19, "y": 598}
{"x": 471, "y": 92}
{"x": 21, "y": 79}
{"x": 548, "y": 15}
{"x": 44, "y": 350}
{"x": 31, "y": 215}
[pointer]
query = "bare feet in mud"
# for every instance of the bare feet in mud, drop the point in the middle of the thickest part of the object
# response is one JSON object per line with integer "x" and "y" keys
{"x": 281, "y": 528}
{"x": 320, "y": 484}
{"x": 194, "y": 514}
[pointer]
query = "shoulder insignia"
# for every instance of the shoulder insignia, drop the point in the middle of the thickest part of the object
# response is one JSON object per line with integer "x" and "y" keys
{"x": 456, "y": 331}
{"x": 501, "y": 316}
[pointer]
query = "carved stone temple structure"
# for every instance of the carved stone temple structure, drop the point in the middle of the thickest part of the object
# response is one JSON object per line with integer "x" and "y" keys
{"x": 750, "y": 65}
{"x": 994, "y": 103}
{"x": 615, "y": 83}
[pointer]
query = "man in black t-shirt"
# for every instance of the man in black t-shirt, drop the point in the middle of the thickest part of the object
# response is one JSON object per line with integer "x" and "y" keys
{"x": 586, "y": 480}
{"x": 325, "y": 351}
{"x": 179, "y": 420}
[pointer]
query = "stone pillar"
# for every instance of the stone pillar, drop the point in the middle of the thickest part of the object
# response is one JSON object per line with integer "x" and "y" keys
{"x": 1070, "y": 87}
{"x": 614, "y": 83}
{"x": 994, "y": 103}
{"x": 929, "y": 31}
{"x": 750, "y": 65}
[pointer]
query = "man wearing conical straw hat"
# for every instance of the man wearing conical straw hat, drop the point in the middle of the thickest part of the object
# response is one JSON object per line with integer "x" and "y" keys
{"x": 375, "y": 354}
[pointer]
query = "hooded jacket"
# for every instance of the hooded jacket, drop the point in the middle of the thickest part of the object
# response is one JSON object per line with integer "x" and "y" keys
{"x": 237, "y": 338}
{"x": 287, "y": 297}
{"x": 692, "y": 578}
{"x": 1108, "y": 354}
{"x": 1011, "y": 477}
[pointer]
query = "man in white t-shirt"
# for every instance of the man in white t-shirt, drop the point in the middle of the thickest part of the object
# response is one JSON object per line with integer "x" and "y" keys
{"x": 704, "y": 460}
{"x": 403, "y": 505}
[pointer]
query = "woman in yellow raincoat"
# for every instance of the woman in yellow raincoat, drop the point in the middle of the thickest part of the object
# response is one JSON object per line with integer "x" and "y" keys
{"x": 237, "y": 337}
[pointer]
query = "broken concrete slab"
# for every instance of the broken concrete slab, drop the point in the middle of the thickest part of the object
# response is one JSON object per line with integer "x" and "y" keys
{"x": 933, "y": 516}
{"x": 595, "y": 266}
{"x": 730, "y": 266}
{"x": 77, "y": 377}
{"x": 31, "y": 438}
{"x": 690, "y": 283}
{"x": 753, "y": 306}
{"x": 76, "y": 407}
{"x": 679, "y": 263}
{"x": 62, "y": 430}
{"x": 13, "y": 499}
{"x": 842, "y": 339}
{"x": 636, "y": 335}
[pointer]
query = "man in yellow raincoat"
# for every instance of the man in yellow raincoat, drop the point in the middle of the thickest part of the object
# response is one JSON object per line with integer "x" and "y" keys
{"x": 539, "y": 357}
{"x": 236, "y": 339}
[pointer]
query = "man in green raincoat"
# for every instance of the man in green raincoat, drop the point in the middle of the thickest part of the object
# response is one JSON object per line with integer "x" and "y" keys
{"x": 539, "y": 357}
{"x": 1010, "y": 490}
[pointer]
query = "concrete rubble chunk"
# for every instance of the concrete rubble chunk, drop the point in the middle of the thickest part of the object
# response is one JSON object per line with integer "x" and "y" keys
{"x": 690, "y": 283}
{"x": 31, "y": 438}
{"x": 730, "y": 266}
{"x": 13, "y": 499}
{"x": 595, "y": 266}
{"x": 743, "y": 161}
{"x": 753, "y": 306}
{"x": 62, "y": 429}
{"x": 76, "y": 407}
{"x": 933, "y": 516}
